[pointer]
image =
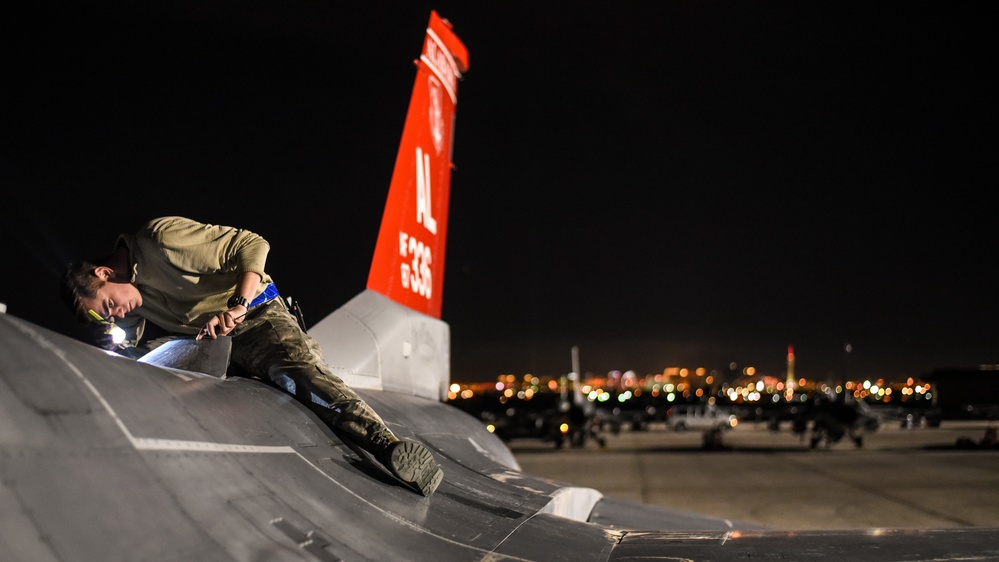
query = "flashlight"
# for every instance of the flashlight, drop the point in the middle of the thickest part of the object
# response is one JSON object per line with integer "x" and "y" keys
{"x": 117, "y": 334}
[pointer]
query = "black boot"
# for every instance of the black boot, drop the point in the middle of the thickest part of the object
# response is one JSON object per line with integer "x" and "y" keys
{"x": 412, "y": 463}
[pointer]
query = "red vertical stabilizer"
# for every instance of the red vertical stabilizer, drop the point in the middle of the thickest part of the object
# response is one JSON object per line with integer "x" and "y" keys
{"x": 408, "y": 265}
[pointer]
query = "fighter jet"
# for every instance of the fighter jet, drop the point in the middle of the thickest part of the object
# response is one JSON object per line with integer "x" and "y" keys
{"x": 837, "y": 416}
{"x": 105, "y": 457}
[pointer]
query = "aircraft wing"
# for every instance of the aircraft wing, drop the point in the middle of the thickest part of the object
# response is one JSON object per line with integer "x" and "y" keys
{"x": 108, "y": 458}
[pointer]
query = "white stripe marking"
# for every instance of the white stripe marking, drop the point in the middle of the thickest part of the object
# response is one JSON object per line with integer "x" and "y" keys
{"x": 146, "y": 444}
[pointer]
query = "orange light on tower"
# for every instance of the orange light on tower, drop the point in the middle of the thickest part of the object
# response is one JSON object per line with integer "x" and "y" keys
{"x": 790, "y": 367}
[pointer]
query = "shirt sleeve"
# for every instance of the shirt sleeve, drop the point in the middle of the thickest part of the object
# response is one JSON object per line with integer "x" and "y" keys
{"x": 206, "y": 248}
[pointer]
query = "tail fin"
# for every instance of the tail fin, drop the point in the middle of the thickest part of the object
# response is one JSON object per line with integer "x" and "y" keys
{"x": 408, "y": 264}
{"x": 391, "y": 336}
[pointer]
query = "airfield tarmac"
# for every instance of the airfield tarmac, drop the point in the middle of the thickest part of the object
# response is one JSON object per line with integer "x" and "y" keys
{"x": 900, "y": 478}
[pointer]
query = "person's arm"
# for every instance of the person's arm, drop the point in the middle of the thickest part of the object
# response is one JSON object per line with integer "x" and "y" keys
{"x": 247, "y": 285}
{"x": 206, "y": 248}
{"x": 224, "y": 322}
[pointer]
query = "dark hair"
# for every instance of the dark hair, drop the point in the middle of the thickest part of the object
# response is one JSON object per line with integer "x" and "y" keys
{"x": 79, "y": 282}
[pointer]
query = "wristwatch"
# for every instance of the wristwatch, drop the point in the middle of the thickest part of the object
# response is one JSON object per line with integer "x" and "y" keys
{"x": 238, "y": 299}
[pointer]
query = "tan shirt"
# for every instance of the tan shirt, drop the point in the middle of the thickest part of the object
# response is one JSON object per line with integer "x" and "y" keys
{"x": 186, "y": 271}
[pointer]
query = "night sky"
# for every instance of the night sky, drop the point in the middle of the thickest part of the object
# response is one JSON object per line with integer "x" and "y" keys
{"x": 659, "y": 183}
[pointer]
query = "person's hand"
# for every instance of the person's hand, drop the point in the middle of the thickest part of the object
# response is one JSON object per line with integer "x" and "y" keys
{"x": 222, "y": 323}
{"x": 97, "y": 334}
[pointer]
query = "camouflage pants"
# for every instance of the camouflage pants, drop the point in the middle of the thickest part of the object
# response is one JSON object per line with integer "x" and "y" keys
{"x": 270, "y": 344}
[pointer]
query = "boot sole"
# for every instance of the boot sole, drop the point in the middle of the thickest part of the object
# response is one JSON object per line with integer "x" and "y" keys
{"x": 414, "y": 464}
